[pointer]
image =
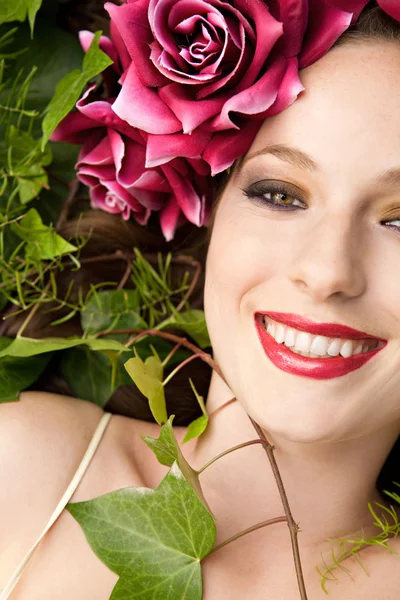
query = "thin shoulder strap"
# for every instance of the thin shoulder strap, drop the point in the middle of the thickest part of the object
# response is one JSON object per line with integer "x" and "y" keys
{"x": 98, "y": 434}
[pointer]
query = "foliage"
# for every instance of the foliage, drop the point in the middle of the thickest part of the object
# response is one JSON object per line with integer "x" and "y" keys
{"x": 167, "y": 532}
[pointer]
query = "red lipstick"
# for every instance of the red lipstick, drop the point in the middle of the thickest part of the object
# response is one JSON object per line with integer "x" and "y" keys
{"x": 316, "y": 368}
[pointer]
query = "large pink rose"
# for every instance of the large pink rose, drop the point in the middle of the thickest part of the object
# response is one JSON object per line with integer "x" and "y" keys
{"x": 112, "y": 163}
{"x": 219, "y": 66}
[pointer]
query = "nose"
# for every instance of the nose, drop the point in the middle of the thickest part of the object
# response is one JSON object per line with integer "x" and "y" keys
{"x": 329, "y": 261}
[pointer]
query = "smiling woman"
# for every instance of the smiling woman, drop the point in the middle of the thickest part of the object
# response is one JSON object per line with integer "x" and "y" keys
{"x": 300, "y": 300}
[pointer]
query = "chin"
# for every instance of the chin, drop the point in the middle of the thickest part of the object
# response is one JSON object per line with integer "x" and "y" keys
{"x": 298, "y": 422}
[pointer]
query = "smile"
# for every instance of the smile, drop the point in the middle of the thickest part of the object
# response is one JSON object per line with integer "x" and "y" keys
{"x": 304, "y": 350}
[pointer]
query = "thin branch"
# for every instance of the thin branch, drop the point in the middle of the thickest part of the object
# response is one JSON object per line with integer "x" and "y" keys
{"x": 63, "y": 216}
{"x": 220, "y": 408}
{"x": 293, "y": 527}
{"x": 246, "y": 531}
{"x": 226, "y": 452}
{"x": 179, "y": 367}
{"x": 207, "y": 358}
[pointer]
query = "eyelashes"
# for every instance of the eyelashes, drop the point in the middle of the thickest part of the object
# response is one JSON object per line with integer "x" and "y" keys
{"x": 284, "y": 197}
{"x": 274, "y": 195}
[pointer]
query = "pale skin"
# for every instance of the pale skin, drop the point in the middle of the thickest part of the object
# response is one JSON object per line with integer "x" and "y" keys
{"x": 334, "y": 261}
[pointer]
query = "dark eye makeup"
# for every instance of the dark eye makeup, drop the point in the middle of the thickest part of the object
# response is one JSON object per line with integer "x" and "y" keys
{"x": 275, "y": 195}
{"x": 281, "y": 196}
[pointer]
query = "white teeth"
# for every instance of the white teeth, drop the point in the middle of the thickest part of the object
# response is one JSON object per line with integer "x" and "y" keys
{"x": 280, "y": 333}
{"x": 334, "y": 347}
{"x": 290, "y": 338}
{"x": 319, "y": 345}
{"x": 315, "y": 346}
{"x": 303, "y": 341}
{"x": 347, "y": 349}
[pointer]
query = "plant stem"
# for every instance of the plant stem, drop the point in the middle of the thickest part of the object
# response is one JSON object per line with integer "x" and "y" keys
{"x": 226, "y": 452}
{"x": 171, "y": 354}
{"x": 207, "y": 358}
{"x": 217, "y": 410}
{"x": 248, "y": 530}
{"x": 179, "y": 367}
{"x": 293, "y": 527}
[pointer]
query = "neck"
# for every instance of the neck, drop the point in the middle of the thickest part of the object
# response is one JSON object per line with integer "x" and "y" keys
{"x": 328, "y": 485}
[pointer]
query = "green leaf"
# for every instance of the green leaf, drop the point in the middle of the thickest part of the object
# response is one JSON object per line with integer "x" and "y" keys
{"x": 25, "y": 347}
{"x": 64, "y": 56}
{"x": 94, "y": 376}
{"x": 13, "y": 10}
{"x": 33, "y": 8}
{"x": 153, "y": 539}
{"x": 196, "y": 428}
{"x": 43, "y": 242}
{"x": 148, "y": 376}
{"x": 194, "y": 324}
{"x": 17, "y": 374}
{"x": 112, "y": 309}
{"x": 29, "y": 189}
{"x": 167, "y": 451}
{"x": 70, "y": 88}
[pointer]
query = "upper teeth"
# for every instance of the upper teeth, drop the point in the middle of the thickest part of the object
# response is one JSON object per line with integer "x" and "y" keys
{"x": 303, "y": 342}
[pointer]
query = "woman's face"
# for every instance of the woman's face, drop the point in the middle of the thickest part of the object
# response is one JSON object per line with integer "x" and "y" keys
{"x": 327, "y": 249}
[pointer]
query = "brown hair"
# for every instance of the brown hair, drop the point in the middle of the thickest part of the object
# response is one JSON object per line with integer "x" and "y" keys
{"x": 109, "y": 234}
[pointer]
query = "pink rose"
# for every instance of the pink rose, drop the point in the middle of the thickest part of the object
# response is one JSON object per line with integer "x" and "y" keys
{"x": 112, "y": 163}
{"x": 219, "y": 66}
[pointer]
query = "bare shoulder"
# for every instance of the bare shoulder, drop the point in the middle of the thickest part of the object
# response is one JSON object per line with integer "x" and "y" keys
{"x": 42, "y": 439}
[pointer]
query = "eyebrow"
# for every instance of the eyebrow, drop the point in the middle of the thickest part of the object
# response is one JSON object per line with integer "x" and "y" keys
{"x": 301, "y": 160}
{"x": 289, "y": 154}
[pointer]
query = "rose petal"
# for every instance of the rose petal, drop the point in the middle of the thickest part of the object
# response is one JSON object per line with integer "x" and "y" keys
{"x": 289, "y": 90}
{"x": 190, "y": 112}
{"x": 185, "y": 194}
{"x": 353, "y": 6}
{"x": 100, "y": 154}
{"x": 141, "y": 107}
{"x": 294, "y": 16}
{"x": 391, "y": 7}
{"x": 255, "y": 99}
{"x": 163, "y": 148}
{"x": 326, "y": 25}
{"x": 267, "y": 30}
{"x": 122, "y": 51}
{"x": 73, "y": 128}
{"x": 226, "y": 146}
{"x": 131, "y": 21}
{"x": 169, "y": 218}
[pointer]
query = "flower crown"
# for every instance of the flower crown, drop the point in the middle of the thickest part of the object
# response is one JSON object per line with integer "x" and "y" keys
{"x": 190, "y": 85}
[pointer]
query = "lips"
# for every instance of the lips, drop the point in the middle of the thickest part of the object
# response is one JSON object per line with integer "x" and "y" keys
{"x": 316, "y": 368}
{"x": 333, "y": 330}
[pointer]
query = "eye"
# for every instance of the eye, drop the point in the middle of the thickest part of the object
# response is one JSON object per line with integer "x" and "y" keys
{"x": 274, "y": 195}
{"x": 396, "y": 227}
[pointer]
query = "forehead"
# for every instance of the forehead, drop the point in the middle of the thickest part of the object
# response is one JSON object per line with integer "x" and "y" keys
{"x": 349, "y": 112}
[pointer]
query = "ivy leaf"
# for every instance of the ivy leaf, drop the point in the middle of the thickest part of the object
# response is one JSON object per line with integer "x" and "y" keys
{"x": 196, "y": 428}
{"x": 70, "y": 88}
{"x": 112, "y": 309}
{"x": 94, "y": 376}
{"x": 17, "y": 374}
{"x": 167, "y": 451}
{"x": 29, "y": 189}
{"x": 153, "y": 539}
{"x": 43, "y": 242}
{"x": 193, "y": 323}
{"x": 24, "y": 347}
{"x": 148, "y": 377}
